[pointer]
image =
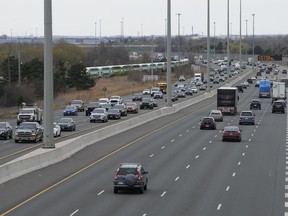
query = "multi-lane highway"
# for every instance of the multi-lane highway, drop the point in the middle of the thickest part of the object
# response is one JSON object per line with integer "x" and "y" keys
{"x": 191, "y": 171}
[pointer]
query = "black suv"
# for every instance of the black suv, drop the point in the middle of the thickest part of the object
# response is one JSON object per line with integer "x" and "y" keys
{"x": 130, "y": 176}
{"x": 146, "y": 103}
{"x": 278, "y": 106}
{"x": 208, "y": 123}
{"x": 255, "y": 104}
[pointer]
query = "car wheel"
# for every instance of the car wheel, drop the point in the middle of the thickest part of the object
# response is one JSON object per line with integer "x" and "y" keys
{"x": 145, "y": 186}
{"x": 239, "y": 140}
{"x": 115, "y": 190}
{"x": 7, "y": 136}
{"x": 16, "y": 141}
{"x": 141, "y": 190}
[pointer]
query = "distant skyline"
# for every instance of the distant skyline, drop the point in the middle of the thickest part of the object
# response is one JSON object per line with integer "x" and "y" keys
{"x": 20, "y": 18}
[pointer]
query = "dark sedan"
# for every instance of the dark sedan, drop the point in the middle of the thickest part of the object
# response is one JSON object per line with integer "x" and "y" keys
{"x": 114, "y": 114}
{"x": 70, "y": 110}
{"x": 6, "y": 130}
{"x": 67, "y": 124}
{"x": 137, "y": 97}
{"x": 122, "y": 108}
{"x": 255, "y": 104}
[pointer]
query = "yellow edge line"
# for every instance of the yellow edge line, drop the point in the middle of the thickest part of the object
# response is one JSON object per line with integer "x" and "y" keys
{"x": 95, "y": 162}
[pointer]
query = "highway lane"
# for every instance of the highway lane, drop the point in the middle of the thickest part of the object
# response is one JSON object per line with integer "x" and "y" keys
{"x": 191, "y": 171}
{"x": 10, "y": 150}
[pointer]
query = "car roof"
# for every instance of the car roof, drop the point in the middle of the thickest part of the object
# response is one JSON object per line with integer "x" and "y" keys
{"x": 130, "y": 165}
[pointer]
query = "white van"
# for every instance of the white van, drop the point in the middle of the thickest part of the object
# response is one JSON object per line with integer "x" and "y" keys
{"x": 198, "y": 76}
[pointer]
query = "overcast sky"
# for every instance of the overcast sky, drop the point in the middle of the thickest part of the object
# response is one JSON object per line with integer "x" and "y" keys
{"x": 147, "y": 17}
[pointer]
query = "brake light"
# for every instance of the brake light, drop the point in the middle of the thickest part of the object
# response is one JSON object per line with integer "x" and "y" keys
{"x": 116, "y": 174}
{"x": 139, "y": 174}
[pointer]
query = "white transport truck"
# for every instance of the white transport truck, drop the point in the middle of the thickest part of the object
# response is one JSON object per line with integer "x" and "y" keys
{"x": 30, "y": 113}
{"x": 278, "y": 91}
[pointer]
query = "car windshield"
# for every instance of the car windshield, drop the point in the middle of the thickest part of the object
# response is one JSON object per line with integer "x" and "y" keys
{"x": 246, "y": 114}
{"x": 69, "y": 107}
{"x": 231, "y": 129}
{"x": 127, "y": 171}
{"x": 2, "y": 125}
{"x": 113, "y": 111}
{"x": 76, "y": 102}
{"x": 65, "y": 120}
{"x": 98, "y": 111}
{"x": 27, "y": 126}
{"x": 92, "y": 104}
{"x": 102, "y": 101}
{"x": 25, "y": 111}
{"x": 119, "y": 106}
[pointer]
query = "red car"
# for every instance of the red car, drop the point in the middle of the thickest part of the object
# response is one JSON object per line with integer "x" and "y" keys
{"x": 132, "y": 108}
{"x": 231, "y": 133}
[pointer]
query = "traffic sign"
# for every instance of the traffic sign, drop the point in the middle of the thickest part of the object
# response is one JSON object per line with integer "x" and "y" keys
{"x": 277, "y": 57}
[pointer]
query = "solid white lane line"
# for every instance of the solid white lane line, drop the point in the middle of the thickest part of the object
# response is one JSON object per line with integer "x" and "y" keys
{"x": 177, "y": 178}
{"x": 163, "y": 194}
{"x": 100, "y": 192}
{"x": 74, "y": 212}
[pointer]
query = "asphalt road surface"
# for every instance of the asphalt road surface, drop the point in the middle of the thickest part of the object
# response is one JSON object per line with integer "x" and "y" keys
{"x": 191, "y": 171}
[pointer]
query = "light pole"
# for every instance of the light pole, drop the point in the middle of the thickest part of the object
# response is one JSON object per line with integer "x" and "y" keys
{"x": 253, "y": 44}
{"x": 240, "y": 48}
{"x": 169, "y": 103}
{"x": 228, "y": 41}
{"x": 48, "y": 77}
{"x": 246, "y": 39}
{"x": 214, "y": 41}
{"x": 19, "y": 64}
{"x": 142, "y": 30}
{"x": 100, "y": 32}
{"x": 208, "y": 44}
{"x": 95, "y": 34}
{"x": 178, "y": 14}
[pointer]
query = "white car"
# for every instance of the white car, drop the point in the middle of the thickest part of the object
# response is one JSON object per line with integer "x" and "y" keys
{"x": 194, "y": 89}
{"x": 146, "y": 92}
{"x": 104, "y": 101}
{"x": 115, "y": 100}
{"x": 56, "y": 130}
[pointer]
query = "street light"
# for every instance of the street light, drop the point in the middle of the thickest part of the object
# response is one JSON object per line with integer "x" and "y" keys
{"x": 214, "y": 40}
{"x": 169, "y": 103}
{"x": 95, "y": 33}
{"x": 228, "y": 41}
{"x": 246, "y": 40}
{"x": 100, "y": 32}
{"x": 19, "y": 64}
{"x": 253, "y": 44}
{"x": 178, "y": 14}
{"x": 208, "y": 44}
{"x": 240, "y": 48}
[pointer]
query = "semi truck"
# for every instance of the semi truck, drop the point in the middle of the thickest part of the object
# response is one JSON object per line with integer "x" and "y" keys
{"x": 227, "y": 100}
{"x": 265, "y": 88}
{"x": 278, "y": 91}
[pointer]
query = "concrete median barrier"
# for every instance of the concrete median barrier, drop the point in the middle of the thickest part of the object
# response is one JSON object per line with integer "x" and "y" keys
{"x": 41, "y": 158}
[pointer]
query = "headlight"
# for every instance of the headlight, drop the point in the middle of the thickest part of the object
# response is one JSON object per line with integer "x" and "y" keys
{"x": 16, "y": 133}
{"x": 33, "y": 133}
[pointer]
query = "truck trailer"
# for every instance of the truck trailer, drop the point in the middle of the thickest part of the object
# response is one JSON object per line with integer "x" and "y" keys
{"x": 265, "y": 88}
{"x": 278, "y": 91}
{"x": 227, "y": 100}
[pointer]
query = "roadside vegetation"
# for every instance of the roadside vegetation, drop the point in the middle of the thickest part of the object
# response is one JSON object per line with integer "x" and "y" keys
{"x": 71, "y": 80}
